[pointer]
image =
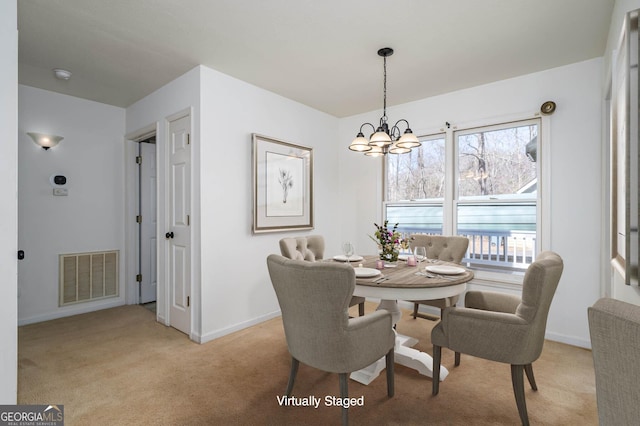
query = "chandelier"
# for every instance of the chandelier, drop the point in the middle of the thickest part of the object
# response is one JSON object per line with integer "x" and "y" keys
{"x": 384, "y": 139}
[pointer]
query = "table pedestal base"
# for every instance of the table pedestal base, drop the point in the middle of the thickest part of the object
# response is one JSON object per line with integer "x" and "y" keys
{"x": 404, "y": 355}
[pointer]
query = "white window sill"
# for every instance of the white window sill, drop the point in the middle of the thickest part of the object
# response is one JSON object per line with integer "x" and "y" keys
{"x": 497, "y": 280}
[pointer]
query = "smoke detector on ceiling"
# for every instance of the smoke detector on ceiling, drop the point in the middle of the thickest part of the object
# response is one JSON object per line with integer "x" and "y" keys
{"x": 61, "y": 74}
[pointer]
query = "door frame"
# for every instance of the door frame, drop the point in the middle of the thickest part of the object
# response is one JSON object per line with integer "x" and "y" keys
{"x": 148, "y": 223}
{"x": 132, "y": 255}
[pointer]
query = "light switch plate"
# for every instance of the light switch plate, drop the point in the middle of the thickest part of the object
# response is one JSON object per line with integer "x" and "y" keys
{"x": 60, "y": 191}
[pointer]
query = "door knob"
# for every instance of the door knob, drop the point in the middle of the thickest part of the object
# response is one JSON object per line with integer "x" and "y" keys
{"x": 169, "y": 235}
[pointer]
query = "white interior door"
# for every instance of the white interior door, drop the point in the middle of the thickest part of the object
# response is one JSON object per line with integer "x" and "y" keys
{"x": 178, "y": 234}
{"x": 149, "y": 223}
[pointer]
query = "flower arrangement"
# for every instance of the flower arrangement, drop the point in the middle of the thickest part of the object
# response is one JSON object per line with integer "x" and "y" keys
{"x": 389, "y": 241}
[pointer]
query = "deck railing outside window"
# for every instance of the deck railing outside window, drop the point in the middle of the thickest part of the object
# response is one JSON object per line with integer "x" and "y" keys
{"x": 501, "y": 236}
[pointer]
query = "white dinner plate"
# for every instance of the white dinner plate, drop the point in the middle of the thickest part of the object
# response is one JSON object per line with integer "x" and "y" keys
{"x": 366, "y": 272}
{"x": 343, "y": 258}
{"x": 403, "y": 256}
{"x": 444, "y": 269}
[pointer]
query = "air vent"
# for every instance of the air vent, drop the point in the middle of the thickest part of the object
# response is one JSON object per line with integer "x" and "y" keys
{"x": 90, "y": 276}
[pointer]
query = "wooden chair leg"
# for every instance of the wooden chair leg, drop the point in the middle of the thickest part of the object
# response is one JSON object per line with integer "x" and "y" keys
{"x": 344, "y": 394}
{"x": 437, "y": 353}
{"x": 415, "y": 310}
{"x": 532, "y": 380}
{"x": 457, "y": 359}
{"x": 292, "y": 375}
{"x": 517, "y": 379}
{"x": 390, "y": 373}
{"x": 361, "y": 309}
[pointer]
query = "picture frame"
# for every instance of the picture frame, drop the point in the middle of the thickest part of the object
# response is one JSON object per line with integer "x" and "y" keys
{"x": 282, "y": 185}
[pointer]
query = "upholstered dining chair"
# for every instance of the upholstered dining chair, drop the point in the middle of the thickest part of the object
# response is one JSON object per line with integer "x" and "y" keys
{"x": 502, "y": 327}
{"x": 614, "y": 327}
{"x": 311, "y": 248}
{"x": 314, "y": 300}
{"x": 440, "y": 247}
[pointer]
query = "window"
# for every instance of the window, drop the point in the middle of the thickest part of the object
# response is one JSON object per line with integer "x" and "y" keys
{"x": 478, "y": 182}
{"x": 419, "y": 178}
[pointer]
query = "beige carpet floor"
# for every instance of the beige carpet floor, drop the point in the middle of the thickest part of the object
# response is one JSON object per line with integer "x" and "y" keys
{"x": 120, "y": 367}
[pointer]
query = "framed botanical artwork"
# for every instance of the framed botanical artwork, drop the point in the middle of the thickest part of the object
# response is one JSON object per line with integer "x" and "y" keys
{"x": 282, "y": 185}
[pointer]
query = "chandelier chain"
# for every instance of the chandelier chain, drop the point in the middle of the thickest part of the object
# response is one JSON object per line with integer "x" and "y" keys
{"x": 384, "y": 108}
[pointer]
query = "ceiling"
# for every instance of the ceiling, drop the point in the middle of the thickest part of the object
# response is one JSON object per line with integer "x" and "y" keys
{"x": 321, "y": 53}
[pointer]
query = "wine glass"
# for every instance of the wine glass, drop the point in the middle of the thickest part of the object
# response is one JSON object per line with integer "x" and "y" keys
{"x": 421, "y": 253}
{"x": 347, "y": 250}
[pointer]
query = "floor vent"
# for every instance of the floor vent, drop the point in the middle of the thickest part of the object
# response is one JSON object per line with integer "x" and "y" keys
{"x": 88, "y": 276}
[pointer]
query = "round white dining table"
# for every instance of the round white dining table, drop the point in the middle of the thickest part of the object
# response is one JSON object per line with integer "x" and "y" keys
{"x": 403, "y": 282}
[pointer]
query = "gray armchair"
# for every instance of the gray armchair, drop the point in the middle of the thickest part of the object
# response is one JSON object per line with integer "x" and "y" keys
{"x": 311, "y": 248}
{"x": 615, "y": 343}
{"x": 446, "y": 248}
{"x": 502, "y": 327}
{"x": 314, "y": 300}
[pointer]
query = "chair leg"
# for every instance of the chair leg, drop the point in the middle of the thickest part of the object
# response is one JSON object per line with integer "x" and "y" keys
{"x": 390, "y": 373}
{"x": 532, "y": 380}
{"x": 517, "y": 380}
{"x": 292, "y": 375}
{"x": 415, "y": 310}
{"x": 344, "y": 394}
{"x": 457, "y": 359}
{"x": 361, "y": 309}
{"x": 437, "y": 352}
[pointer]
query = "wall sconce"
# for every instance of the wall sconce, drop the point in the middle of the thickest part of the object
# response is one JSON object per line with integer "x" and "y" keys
{"x": 44, "y": 140}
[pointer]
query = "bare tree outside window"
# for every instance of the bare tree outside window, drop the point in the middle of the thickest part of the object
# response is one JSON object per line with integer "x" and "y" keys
{"x": 419, "y": 174}
{"x": 495, "y": 162}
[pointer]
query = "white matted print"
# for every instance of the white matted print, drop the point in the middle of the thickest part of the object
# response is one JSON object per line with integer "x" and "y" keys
{"x": 282, "y": 185}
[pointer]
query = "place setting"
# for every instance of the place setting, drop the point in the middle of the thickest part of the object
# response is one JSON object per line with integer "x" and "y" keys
{"x": 445, "y": 272}
{"x": 348, "y": 254}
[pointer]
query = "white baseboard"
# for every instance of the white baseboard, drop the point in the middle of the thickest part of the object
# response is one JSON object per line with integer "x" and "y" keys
{"x": 68, "y": 311}
{"x": 207, "y": 337}
{"x": 549, "y": 335}
{"x": 568, "y": 340}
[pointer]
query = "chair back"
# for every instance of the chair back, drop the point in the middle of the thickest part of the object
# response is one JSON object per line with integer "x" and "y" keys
{"x": 446, "y": 248}
{"x": 310, "y": 248}
{"x": 314, "y": 299}
{"x": 538, "y": 288}
{"x": 615, "y": 342}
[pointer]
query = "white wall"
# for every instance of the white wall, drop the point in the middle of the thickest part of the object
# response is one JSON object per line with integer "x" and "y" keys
{"x": 90, "y": 218}
{"x": 9, "y": 205}
{"x": 575, "y": 172}
{"x": 236, "y": 290}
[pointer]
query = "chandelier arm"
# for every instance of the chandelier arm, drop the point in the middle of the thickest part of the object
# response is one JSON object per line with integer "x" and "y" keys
{"x": 395, "y": 132}
{"x": 364, "y": 124}
{"x": 398, "y": 122}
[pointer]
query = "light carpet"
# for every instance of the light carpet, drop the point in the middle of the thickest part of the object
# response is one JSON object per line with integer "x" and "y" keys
{"x": 120, "y": 367}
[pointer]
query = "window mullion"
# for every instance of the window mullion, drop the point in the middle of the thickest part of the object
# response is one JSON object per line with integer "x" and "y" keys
{"x": 450, "y": 204}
